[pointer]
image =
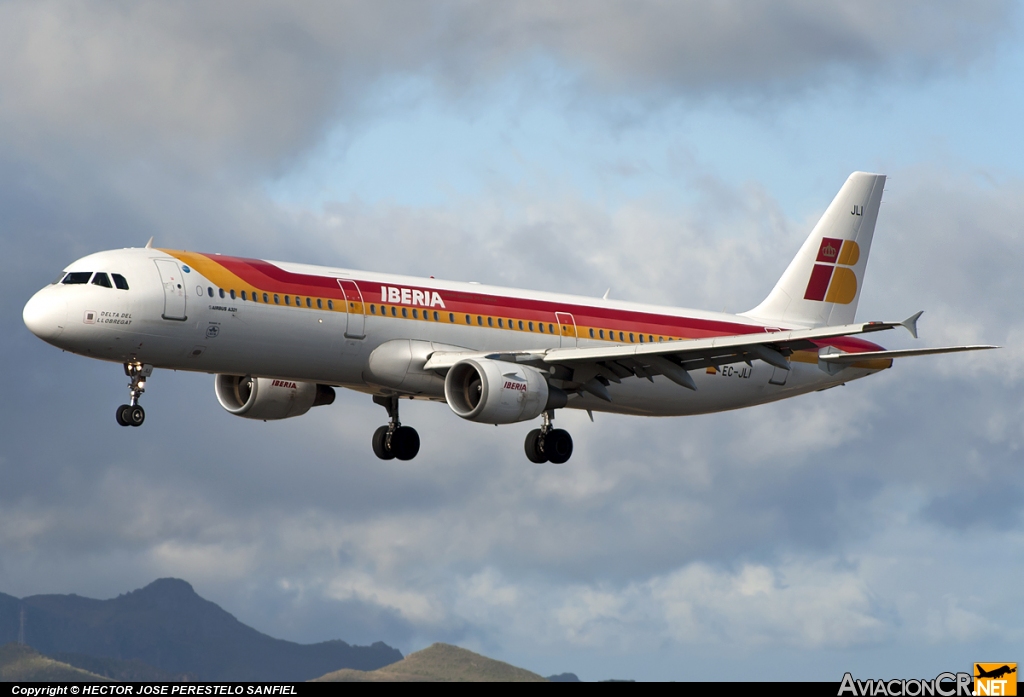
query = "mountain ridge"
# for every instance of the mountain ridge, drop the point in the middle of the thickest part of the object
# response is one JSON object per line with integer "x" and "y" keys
{"x": 168, "y": 626}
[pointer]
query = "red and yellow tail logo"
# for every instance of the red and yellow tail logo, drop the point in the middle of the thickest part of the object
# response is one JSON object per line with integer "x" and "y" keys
{"x": 831, "y": 280}
{"x": 995, "y": 679}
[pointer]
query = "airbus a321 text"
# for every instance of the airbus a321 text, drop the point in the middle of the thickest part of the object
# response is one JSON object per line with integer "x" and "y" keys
{"x": 279, "y": 337}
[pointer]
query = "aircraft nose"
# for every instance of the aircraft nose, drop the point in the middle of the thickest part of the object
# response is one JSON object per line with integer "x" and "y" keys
{"x": 45, "y": 315}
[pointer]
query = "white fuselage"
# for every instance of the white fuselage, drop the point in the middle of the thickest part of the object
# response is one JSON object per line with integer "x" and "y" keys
{"x": 193, "y": 323}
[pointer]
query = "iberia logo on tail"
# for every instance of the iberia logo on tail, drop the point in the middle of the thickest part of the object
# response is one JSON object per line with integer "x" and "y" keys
{"x": 831, "y": 278}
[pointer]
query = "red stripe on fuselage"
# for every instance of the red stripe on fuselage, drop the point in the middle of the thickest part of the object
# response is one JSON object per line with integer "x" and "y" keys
{"x": 270, "y": 278}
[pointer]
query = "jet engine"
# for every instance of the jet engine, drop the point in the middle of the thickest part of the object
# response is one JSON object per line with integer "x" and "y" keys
{"x": 269, "y": 399}
{"x": 499, "y": 392}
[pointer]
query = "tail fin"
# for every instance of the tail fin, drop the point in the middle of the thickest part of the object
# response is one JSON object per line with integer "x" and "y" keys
{"x": 822, "y": 284}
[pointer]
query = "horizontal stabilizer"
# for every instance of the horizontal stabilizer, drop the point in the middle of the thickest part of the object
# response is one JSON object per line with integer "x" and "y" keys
{"x": 901, "y": 353}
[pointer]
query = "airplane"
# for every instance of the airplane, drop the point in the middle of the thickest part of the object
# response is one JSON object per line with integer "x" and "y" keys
{"x": 995, "y": 673}
{"x": 279, "y": 337}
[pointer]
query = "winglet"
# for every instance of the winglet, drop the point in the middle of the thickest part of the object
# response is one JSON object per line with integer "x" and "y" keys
{"x": 911, "y": 323}
{"x": 149, "y": 245}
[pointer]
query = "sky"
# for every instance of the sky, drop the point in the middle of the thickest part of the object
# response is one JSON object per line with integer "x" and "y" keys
{"x": 674, "y": 152}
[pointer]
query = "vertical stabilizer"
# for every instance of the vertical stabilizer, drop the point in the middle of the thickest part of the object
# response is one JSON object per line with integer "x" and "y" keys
{"x": 822, "y": 284}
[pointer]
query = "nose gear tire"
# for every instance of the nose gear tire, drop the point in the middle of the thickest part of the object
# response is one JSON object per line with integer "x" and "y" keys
{"x": 134, "y": 415}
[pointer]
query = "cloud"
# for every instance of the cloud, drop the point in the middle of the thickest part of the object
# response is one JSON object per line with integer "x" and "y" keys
{"x": 241, "y": 84}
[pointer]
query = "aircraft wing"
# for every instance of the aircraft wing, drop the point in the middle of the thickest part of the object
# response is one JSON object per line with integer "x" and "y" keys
{"x": 593, "y": 368}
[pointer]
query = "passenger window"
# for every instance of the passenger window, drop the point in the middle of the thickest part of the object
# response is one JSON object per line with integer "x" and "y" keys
{"x": 631, "y": 337}
{"x": 621, "y": 338}
{"x": 309, "y": 303}
{"x": 520, "y": 325}
{"x": 435, "y": 315}
{"x": 209, "y": 291}
{"x": 551, "y": 329}
{"x": 287, "y": 300}
{"x": 490, "y": 321}
{"x": 641, "y": 338}
{"x": 650, "y": 338}
{"x": 591, "y": 333}
{"x": 220, "y": 291}
{"x": 277, "y": 300}
{"x": 119, "y": 281}
{"x": 540, "y": 326}
{"x": 298, "y": 301}
{"x": 101, "y": 279}
{"x": 319, "y": 304}
{"x": 244, "y": 296}
{"x": 479, "y": 321}
{"x": 373, "y": 309}
{"x": 451, "y": 317}
{"x": 601, "y": 332}
{"x": 415, "y": 314}
{"x": 531, "y": 326}
{"x": 76, "y": 278}
{"x": 405, "y": 312}
{"x": 232, "y": 293}
{"x": 468, "y": 320}
{"x": 266, "y": 298}
{"x": 394, "y": 311}
{"x": 500, "y": 326}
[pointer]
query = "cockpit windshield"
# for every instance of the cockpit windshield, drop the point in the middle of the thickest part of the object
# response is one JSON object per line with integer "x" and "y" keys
{"x": 77, "y": 278}
{"x": 98, "y": 279}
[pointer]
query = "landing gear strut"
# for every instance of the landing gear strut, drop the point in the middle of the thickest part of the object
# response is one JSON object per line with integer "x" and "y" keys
{"x": 132, "y": 414}
{"x": 546, "y": 444}
{"x": 394, "y": 440}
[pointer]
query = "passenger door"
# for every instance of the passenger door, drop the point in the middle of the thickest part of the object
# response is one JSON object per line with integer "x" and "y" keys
{"x": 355, "y": 307}
{"x": 174, "y": 289}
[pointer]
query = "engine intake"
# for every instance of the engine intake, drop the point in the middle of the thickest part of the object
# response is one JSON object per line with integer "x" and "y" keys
{"x": 269, "y": 399}
{"x": 499, "y": 392}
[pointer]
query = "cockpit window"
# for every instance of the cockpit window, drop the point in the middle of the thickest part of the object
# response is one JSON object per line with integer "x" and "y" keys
{"x": 119, "y": 281}
{"x": 77, "y": 278}
{"x": 101, "y": 279}
{"x": 59, "y": 278}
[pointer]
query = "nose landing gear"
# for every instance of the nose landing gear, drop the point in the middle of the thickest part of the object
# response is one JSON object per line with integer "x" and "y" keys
{"x": 546, "y": 444}
{"x": 132, "y": 414}
{"x": 394, "y": 440}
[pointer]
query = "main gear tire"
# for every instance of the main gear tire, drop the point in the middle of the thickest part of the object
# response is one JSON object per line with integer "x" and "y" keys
{"x": 532, "y": 447}
{"x": 405, "y": 442}
{"x": 558, "y": 446}
{"x": 380, "y": 444}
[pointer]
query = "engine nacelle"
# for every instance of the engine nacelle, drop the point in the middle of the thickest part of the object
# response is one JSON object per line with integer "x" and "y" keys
{"x": 269, "y": 399}
{"x": 499, "y": 392}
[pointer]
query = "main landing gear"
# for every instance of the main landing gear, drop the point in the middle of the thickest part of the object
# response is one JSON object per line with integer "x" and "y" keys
{"x": 394, "y": 440}
{"x": 132, "y": 414}
{"x": 546, "y": 444}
